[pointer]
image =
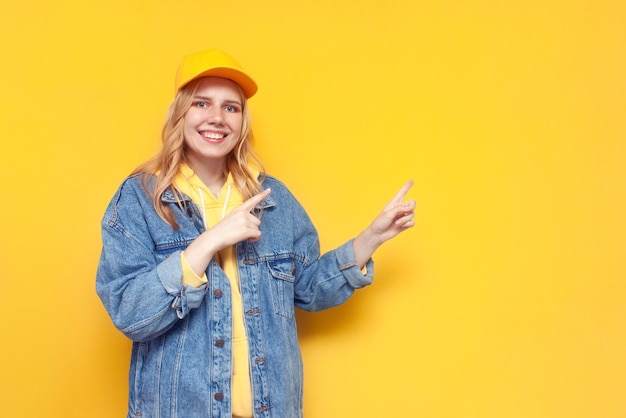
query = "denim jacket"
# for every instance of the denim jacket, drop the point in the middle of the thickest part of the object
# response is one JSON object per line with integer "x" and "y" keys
{"x": 181, "y": 360}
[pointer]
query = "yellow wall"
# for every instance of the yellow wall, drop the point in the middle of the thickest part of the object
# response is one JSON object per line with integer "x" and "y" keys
{"x": 506, "y": 300}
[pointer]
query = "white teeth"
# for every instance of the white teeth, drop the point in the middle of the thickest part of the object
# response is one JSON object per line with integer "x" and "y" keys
{"x": 213, "y": 135}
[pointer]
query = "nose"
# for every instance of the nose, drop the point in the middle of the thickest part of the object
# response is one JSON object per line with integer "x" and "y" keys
{"x": 216, "y": 115}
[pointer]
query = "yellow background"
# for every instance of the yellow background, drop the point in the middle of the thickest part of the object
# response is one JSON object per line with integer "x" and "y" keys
{"x": 506, "y": 299}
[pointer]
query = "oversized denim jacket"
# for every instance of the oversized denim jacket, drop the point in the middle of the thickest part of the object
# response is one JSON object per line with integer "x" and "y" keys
{"x": 181, "y": 355}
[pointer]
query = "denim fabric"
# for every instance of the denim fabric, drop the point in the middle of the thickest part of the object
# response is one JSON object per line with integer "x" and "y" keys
{"x": 181, "y": 355}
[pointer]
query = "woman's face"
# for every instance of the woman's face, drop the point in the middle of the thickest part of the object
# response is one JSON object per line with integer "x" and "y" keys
{"x": 212, "y": 125}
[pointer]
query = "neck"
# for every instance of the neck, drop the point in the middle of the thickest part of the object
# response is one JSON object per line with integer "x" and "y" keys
{"x": 212, "y": 176}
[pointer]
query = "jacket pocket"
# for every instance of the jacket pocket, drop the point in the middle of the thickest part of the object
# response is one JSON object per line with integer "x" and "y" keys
{"x": 165, "y": 249}
{"x": 283, "y": 277}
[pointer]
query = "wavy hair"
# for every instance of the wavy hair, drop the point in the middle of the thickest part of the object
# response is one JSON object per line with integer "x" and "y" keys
{"x": 165, "y": 164}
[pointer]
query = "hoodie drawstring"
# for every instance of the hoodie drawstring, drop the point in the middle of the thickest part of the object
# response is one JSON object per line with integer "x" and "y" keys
{"x": 204, "y": 207}
{"x": 226, "y": 202}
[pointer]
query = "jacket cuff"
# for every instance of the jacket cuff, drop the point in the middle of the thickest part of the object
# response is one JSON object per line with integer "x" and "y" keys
{"x": 186, "y": 297}
{"x": 350, "y": 269}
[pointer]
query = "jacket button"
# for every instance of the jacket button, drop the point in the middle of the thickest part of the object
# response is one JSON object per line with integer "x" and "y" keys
{"x": 218, "y": 293}
{"x": 219, "y": 396}
{"x": 219, "y": 343}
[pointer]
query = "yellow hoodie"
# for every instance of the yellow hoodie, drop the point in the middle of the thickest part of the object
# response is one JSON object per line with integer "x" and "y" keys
{"x": 215, "y": 209}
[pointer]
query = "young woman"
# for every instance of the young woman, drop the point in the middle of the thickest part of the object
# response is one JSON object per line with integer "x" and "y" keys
{"x": 205, "y": 257}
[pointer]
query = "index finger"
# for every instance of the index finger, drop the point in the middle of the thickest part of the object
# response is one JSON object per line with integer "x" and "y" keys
{"x": 251, "y": 203}
{"x": 399, "y": 197}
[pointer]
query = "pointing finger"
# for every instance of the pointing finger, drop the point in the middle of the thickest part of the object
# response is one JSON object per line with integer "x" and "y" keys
{"x": 402, "y": 192}
{"x": 251, "y": 203}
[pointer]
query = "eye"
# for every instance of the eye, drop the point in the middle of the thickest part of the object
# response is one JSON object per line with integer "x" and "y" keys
{"x": 201, "y": 104}
{"x": 231, "y": 108}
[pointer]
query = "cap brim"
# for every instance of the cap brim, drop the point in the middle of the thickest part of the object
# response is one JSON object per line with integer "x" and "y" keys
{"x": 246, "y": 83}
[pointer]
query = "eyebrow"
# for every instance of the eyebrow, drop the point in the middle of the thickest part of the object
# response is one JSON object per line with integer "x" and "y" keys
{"x": 209, "y": 99}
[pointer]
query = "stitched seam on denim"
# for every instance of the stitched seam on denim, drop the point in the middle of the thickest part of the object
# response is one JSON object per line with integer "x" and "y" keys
{"x": 328, "y": 279}
{"x": 347, "y": 265}
{"x": 147, "y": 321}
{"x": 281, "y": 256}
{"x": 173, "y": 244}
{"x": 120, "y": 229}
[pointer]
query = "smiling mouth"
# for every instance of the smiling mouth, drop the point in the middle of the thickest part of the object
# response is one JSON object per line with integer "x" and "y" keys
{"x": 213, "y": 135}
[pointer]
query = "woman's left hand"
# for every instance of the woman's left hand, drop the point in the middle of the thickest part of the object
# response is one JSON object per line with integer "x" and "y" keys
{"x": 395, "y": 217}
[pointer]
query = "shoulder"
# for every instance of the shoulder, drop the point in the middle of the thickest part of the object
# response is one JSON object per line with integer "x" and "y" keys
{"x": 282, "y": 196}
{"x": 133, "y": 188}
{"x": 136, "y": 182}
{"x": 280, "y": 191}
{"x": 272, "y": 182}
{"x": 130, "y": 196}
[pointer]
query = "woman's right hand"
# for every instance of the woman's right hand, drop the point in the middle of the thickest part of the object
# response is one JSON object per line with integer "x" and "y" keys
{"x": 239, "y": 225}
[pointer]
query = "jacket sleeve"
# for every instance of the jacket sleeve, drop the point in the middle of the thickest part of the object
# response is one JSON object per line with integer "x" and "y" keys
{"x": 331, "y": 279}
{"x": 325, "y": 281}
{"x": 143, "y": 295}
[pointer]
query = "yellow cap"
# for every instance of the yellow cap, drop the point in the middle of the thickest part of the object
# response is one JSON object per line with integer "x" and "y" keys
{"x": 214, "y": 63}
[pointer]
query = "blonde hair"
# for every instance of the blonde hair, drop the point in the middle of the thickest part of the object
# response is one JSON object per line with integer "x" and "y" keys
{"x": 165, "y": 164}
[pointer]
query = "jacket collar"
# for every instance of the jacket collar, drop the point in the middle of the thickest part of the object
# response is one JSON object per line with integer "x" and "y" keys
{"x": 170, "y": 196}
